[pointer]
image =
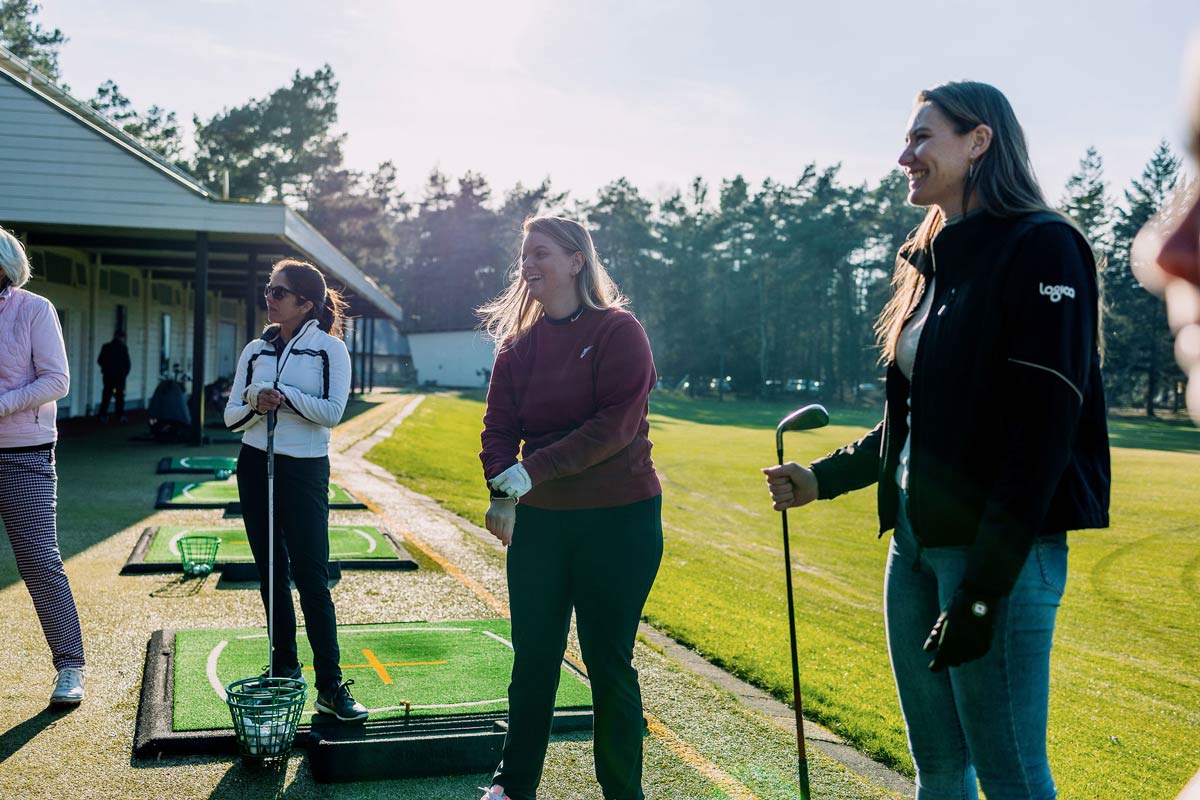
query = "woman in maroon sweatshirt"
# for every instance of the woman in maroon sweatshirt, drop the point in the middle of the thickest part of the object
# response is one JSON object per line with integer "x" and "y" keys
{"x": 571, "y": 381}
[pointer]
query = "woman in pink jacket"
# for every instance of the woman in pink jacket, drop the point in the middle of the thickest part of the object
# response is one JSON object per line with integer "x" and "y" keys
{"x": 33, "y": 376}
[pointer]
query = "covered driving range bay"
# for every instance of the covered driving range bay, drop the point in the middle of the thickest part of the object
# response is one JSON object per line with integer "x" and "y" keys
{"x": 158, "y": 550}
{"x": 437, "y": 693}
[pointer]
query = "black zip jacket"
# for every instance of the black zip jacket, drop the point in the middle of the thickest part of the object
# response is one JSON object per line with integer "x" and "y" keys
{"x": 1010, "y": 439}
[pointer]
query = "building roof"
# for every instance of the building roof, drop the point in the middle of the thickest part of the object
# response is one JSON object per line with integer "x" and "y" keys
{"x": 71, "y": 177}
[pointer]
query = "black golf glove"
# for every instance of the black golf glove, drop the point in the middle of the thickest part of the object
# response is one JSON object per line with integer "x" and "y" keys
{"x": 963, "y": 631}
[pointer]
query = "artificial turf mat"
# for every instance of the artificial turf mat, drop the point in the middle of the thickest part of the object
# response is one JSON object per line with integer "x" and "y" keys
{"x": 216, "y": 493}
{"x": 441, "y": 669}
{"x": 197, "y": 464}
{"x": 345, "y": 541}
{"x": 350, "y": 547}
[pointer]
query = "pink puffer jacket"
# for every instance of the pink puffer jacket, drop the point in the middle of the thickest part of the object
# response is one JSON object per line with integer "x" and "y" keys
{"x": 33, "y": 369}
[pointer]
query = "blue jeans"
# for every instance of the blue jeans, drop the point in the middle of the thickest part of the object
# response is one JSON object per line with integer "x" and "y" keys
{"x": 985, "y": 719}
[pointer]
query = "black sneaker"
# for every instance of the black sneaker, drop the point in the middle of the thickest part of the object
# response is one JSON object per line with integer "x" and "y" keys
{"x": 338, "y": 702}
{"x": 293, "y": 673}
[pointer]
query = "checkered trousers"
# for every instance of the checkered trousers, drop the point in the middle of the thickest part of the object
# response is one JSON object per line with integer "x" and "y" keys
{"x": 27, "y": 507}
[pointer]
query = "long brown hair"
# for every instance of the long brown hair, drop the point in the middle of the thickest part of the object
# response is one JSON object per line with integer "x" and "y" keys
{"x": 305, "y": 280}
{"x": 513, "y": 312}
{"x": 1002, "y": 183}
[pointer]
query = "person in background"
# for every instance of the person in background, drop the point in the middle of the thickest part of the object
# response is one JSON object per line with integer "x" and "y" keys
{"x": 1166, "y": 259}
{"x": 994, "y": 443}
{"x": 571, "y": 380}
{"x": 114, "y": 369}
{"x": 33, "y": 377}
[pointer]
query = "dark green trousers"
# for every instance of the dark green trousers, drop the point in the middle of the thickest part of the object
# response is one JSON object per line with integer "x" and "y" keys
{"x": 601, "y": 563}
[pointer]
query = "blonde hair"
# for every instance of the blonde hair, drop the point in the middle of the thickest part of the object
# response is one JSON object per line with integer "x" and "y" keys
{"x": 14, "y": 264}
{"x": 1002, "y": 182}
{"x": 513, "y": 312}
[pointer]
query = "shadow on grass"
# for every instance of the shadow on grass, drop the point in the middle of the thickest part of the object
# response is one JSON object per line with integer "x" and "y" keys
{"x": 21, "y": 734}
{"x": 1174, "y": 435}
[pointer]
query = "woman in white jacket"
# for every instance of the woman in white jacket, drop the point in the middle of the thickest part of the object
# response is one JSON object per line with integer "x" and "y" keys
{"x": 33, "y": 376}
{"x": 300, "y": 369}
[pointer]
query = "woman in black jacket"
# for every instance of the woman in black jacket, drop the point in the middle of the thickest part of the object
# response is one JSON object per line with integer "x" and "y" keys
{"x": 992, "y": 446}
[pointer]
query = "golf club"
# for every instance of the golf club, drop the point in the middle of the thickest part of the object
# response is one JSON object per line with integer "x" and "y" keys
{"x": 802, "y": 419}
{"x": 271, "y": 544}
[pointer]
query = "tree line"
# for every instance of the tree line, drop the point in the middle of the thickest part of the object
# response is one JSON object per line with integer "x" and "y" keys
{"x": 755, "y": 283}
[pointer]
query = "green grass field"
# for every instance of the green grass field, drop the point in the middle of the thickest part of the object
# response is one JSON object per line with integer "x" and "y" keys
{"x": 1125, "y": 702}
{"x": 439, "y": 668}
{"x": 345, "y": 542}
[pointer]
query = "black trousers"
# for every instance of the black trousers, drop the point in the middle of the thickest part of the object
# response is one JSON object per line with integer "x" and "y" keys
{"x": 601, "y": 562}
{"x": 301, "y": 542}
{"x": 114, "y": 387}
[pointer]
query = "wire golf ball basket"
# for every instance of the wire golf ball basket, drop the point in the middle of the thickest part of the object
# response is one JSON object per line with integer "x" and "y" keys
{"x": 266, "y": 713}
{"x": 198, "y": 555}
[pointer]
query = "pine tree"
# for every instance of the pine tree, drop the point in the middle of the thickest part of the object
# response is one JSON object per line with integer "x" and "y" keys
{"x": 1138, "y": 342}
{"x": 1086, "y": 201}
{"x": 28, "y": 40}
{"x": 157, "y": 128}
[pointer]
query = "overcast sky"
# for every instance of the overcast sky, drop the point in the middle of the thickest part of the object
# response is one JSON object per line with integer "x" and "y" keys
{"x": 659, "y": 92}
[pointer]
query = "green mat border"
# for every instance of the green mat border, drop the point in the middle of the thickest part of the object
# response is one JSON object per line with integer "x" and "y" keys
{"x": 457, "y": 743}
{"x": 164, "y": 468}
{"x": 166, "y": 491}
{"x": 137, "y": 564}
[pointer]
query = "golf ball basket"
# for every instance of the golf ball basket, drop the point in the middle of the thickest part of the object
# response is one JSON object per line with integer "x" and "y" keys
{"x": 266, "y": 713}
{"x": 198, "y": 555}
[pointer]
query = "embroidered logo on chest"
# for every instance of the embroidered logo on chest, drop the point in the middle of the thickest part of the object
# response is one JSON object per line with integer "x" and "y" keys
{"x": 1056, "y": 293}
{"x": 586, "y": 350}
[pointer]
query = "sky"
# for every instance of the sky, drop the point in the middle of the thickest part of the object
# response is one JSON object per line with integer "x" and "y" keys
{"x": 657, "y": 91}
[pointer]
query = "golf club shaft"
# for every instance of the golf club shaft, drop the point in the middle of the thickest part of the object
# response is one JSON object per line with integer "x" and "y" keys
{"x": 787, "y": 560}
{"x": 271, "y": 543}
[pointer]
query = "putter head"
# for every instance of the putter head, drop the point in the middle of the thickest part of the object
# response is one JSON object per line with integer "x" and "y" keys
{"x": 802, "y": 419}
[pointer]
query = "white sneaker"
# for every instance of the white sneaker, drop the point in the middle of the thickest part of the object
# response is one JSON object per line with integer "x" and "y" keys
{"x": 496, "y": 792}
{"x": 68, "y": 690}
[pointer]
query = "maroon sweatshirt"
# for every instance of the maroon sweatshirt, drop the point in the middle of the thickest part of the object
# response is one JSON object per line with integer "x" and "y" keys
{"x": 577, "y": 394}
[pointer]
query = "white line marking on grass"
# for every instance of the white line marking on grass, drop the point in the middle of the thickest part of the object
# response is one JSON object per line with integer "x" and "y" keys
{"x": 173, "y": 545}
{"x": 370, "y": 539}
{"x": 499, "y": 639}
{"x": 187, "y": 490}
{"x": 211, "y": 670}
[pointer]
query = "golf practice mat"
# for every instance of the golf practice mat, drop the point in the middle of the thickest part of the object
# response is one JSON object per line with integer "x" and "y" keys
{"x": 437, "y": 693}
{"x": 223, "y": 493}
{"x": 204, "y": 465}
{"x": 350, "y": 547}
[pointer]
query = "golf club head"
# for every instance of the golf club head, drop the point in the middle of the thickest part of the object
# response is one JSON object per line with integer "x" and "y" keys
{"x": 802, "y": 419}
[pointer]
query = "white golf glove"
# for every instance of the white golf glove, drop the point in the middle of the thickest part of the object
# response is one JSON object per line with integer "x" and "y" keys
{"x": 251, "y": 393}
{"x": 514, "y": 481}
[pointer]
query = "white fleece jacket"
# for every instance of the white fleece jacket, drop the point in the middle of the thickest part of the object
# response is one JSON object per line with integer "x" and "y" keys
{"x": 312, "y": 373}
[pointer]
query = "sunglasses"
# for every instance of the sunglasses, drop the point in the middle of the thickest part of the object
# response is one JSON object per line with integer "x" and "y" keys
{"x": 280, "y": 292}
